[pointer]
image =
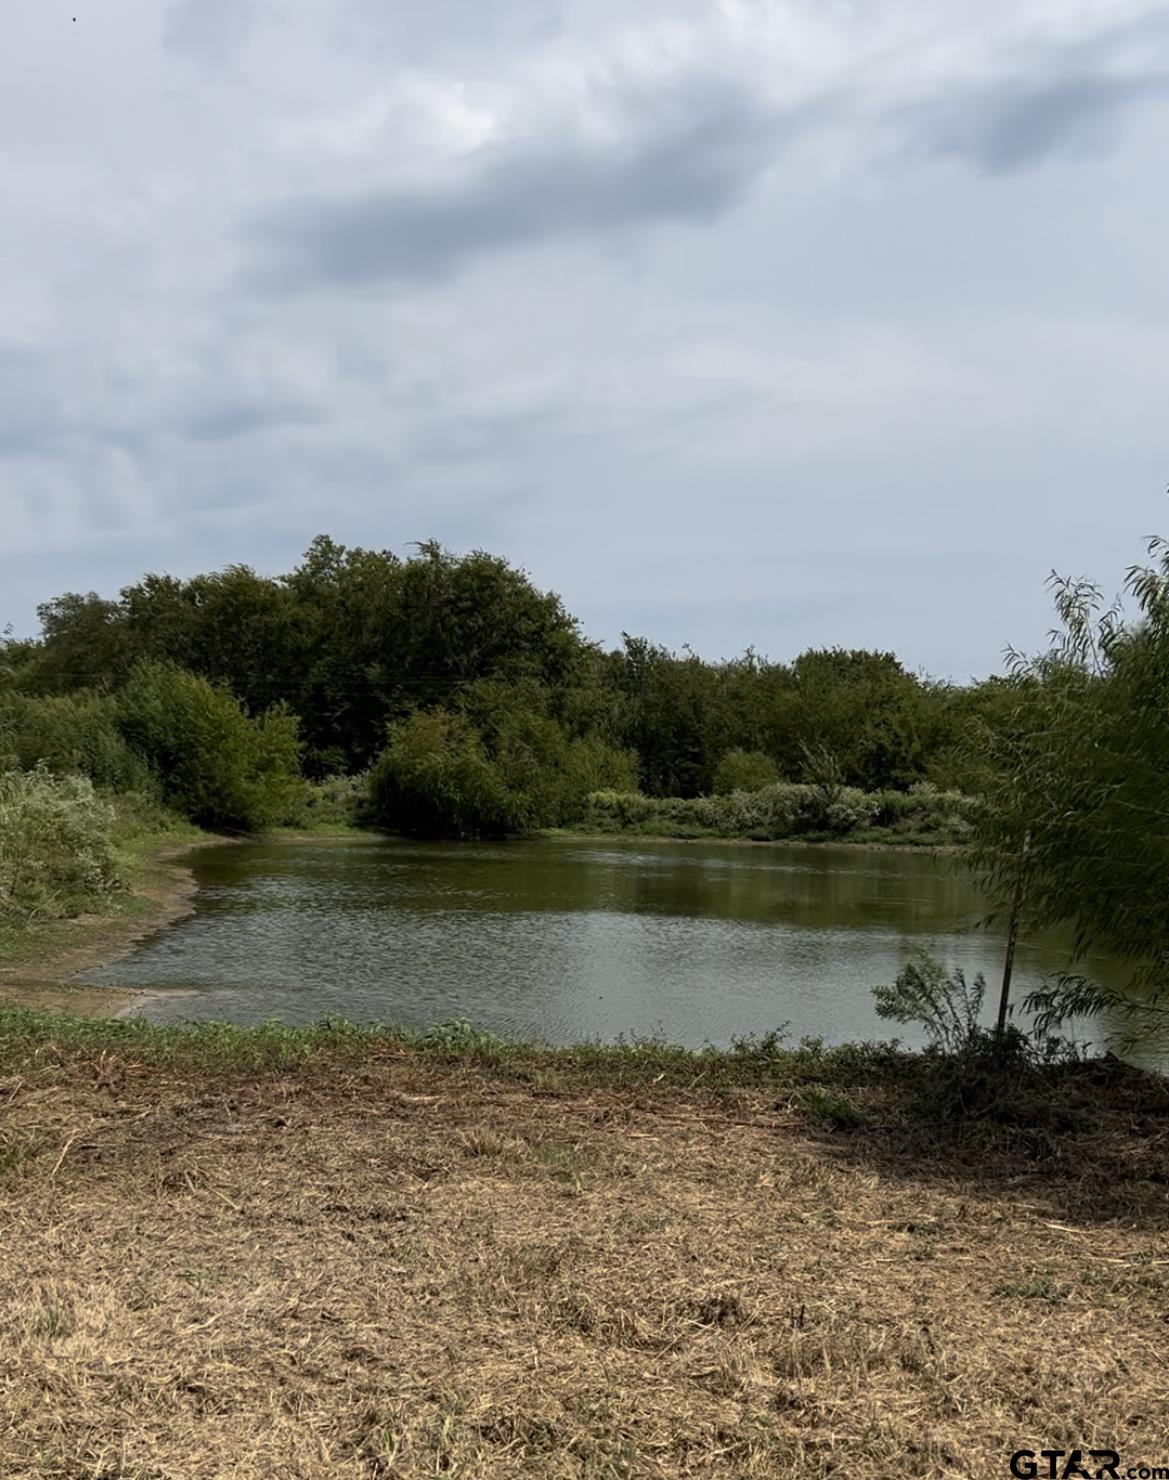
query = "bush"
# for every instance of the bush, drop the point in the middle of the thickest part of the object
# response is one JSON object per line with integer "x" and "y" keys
{"x": 548, "y": 776}
{"x": 946, "y": 1006}
{"x": 782, "y": 810}
{"x": 72, "y": 732}
{"x": 216, "y": 765}
{"x": 744, "y": 770}
{"x": 335, "y": 801}
{"x": 435, "y": 780}
{"x": 593, "y": 765}
{"x": 530, "y": 753}
{"x": 56, "y": 844}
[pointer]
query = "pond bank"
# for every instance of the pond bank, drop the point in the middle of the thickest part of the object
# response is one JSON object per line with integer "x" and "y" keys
{"x": 859, "y": 845}
{"x": 38, "y": 964}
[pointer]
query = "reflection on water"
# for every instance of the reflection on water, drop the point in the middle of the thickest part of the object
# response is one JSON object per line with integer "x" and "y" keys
{"x": 565, "y": 941}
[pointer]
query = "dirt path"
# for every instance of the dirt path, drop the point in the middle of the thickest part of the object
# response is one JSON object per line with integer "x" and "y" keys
{"x": 399, "y": 1271}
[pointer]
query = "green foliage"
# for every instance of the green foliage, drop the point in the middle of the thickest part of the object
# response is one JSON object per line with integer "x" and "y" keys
{"x": 71, "y": 732}
{"x": 85, "y": 645}
{"x": 216, "y": 765}
{"x": 354, "y": 640}
{"x": 785, "y": 810}
{"x": 461, "y": 1037}
{"x": 967, "y": 1072}
{"x": 333, "y": 802}
{"x": 945, "y": 1005}
{"x": 434, "y": 780}
{"x": 744, "y": 770}
{"x": 56, "y": 844}
{"x": 1076, "y": 793}
{"x": 530, "y": 754}
{"x": 594, "y": 765}
{"x": 824, "y": 1107}
{"x": 924, "y": 809}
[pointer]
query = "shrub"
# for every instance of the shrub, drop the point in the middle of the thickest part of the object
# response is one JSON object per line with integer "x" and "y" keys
{"x": 530, "y": 753}
{"x": 72, "y": 732}
{"x": 782, "y": 810}
{"x": 56, "y": 844}
{"x": 824, "y": 1107}
{"x": 946, "y": 1006}
{"x": 744, "y": 770}
{"x": 435, "y": 780}
{"x": 335, "y": 801}
{"x": 216, "y": 765}
{"x": 593, "y": 765}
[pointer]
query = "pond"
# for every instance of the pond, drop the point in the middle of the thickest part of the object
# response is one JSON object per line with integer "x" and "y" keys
{"x": 563, "y": 941}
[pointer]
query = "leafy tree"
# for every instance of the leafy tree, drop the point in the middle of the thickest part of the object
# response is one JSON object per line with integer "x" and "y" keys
{"x": 744, "y": 770}
{"x": 675, "y": 723}
{"x": 1074, "y": 821}
{"x": 594, "y": 765}
{"x": 216, "y": 765}
{"x": 71, "y": 732}
{"x": 435, "y": 780}
{"x": 84, "y": 645}
{"x": 863, "y": 707}
{"x": 353, "y": 639}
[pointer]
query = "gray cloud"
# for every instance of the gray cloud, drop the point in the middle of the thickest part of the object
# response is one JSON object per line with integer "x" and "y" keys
{"x": 32, "y": 416}
{"x": 209, "y": 30}
{"x": 224, "y": 419}
{"x": 808, "y": 421}
{"x": 1013, "y": 125}
{"x": 698, "y": 159}
{"x": 1048, "y": 100}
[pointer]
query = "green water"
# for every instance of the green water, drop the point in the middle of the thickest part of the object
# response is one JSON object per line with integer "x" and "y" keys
{"x": 562, "y": 940}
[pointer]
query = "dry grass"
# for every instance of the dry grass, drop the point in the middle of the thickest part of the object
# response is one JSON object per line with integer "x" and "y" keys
{"x": 411, "y": 1270}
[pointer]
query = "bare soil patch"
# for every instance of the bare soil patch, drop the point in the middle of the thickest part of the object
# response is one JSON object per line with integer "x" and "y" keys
{"x": 407, "y": 1269}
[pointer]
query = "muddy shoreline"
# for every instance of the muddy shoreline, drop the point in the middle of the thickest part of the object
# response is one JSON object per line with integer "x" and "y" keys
{"x": 46, "y": 982}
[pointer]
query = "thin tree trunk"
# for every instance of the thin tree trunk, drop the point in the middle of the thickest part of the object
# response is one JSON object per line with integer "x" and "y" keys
{"x": 1012, "y": 942}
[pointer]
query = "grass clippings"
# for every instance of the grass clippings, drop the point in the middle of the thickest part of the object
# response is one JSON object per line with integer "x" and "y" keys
{"x": 410, "y": 1265}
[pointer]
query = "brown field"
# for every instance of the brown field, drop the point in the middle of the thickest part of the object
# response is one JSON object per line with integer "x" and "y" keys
{"x": 412, "y": 1269}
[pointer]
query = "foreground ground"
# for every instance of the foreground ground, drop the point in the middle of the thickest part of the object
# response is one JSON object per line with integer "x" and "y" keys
{"x": 402, "y": 1265}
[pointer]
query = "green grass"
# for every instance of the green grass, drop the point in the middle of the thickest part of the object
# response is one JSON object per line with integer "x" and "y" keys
{"x": 142, "y": 829}
{"x": 28, "y": 1036}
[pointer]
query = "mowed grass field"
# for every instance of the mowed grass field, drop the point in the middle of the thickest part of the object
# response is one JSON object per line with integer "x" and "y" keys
{"x": 409, "y": 1266}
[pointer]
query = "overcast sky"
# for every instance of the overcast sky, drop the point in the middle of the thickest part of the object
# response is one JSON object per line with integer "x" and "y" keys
{"x": 784, "y": 322}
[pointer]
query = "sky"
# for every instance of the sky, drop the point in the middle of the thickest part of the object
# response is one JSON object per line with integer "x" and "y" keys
{"x": 781, "y": 323}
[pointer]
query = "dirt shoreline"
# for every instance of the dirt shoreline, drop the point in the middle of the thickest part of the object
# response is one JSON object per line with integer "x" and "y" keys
{"x": 91, "y": 940}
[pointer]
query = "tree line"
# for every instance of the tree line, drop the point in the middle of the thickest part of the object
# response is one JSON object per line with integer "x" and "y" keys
{"x": 462, "y": 659}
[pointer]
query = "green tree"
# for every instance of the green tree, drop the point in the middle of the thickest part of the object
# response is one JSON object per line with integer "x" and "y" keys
{"x": 216, "y": 765}
{"x": 434, "y": 780}
{"x": 84, "y": 645}
{"x": 1073, "y": 825}
{"x": 71, "y": 732}
{"x": 744, "y": 770}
